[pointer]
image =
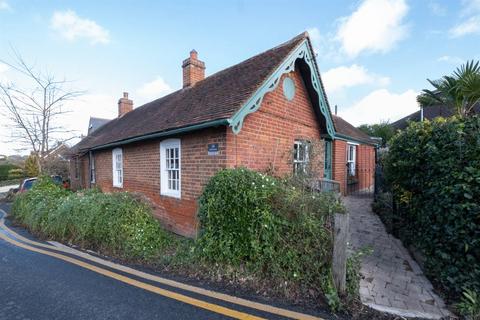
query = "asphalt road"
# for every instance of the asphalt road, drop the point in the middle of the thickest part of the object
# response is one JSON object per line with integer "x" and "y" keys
{"x": 37, "y": 286}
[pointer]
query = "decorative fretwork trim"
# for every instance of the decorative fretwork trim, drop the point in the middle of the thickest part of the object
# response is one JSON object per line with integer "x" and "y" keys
{"x": 304, "y": 52}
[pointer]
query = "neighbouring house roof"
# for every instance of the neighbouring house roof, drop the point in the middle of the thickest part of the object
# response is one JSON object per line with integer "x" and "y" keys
{"x": 348, "y": 132}
{"x": 60, "y": 150}
{"x": 430, "y": 113}
{"x": 210, "y": 101}
{"x": 95, "y": 123}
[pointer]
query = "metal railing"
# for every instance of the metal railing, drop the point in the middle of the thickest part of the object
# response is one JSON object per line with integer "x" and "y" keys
{"x": 326, "y": 185}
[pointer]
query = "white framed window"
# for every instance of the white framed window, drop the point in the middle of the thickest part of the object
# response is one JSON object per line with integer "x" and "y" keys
{"x": 170, "y": 168}
{"x": 351, "y": 159}
{"x": 301, "y": 150}
{"x": 117, "y": 167}
{"x": 92, "y": 168}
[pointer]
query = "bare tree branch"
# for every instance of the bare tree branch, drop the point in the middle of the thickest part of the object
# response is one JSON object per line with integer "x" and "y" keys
{"x": 33, "y": 110}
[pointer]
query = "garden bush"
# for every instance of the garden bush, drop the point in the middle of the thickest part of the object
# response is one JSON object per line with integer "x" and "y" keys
{"x": 4, "y": 170}
{"x": 117, "y": 223}
{"x": 276, "y": 229}
{"x": 434, "y": 171}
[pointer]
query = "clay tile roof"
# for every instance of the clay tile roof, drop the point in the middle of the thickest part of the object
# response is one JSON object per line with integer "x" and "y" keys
{"x": 346, "y": 129}
{"x": 216, "y": 97}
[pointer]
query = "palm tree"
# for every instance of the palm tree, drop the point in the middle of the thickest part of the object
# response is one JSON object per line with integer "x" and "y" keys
{"x": 459, "y": 91}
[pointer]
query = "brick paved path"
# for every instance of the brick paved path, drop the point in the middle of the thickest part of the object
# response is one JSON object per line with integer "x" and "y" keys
{"x": 393, "y": 282}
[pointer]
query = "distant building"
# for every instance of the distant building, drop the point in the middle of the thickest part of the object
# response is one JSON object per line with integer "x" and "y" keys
{"x": 96, "y": 123}
{"x": 430, "y": 113}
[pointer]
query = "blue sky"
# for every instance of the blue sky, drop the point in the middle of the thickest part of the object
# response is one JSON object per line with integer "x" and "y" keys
{"x": 374, "y": 55}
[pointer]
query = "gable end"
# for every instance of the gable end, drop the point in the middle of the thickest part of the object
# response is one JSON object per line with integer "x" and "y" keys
{"x": 303, "y": 52}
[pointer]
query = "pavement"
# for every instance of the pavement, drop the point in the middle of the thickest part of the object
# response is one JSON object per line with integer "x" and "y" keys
{"x": 5, "y": 189}
{"x": 392, "y": 281}
{"x": 46, "y": 280}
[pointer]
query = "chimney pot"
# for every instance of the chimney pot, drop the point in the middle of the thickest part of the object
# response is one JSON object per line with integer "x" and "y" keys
{"x": 193, "y": 69}
{"x": 194, "y": 54}
{"x": 125, "y": 105}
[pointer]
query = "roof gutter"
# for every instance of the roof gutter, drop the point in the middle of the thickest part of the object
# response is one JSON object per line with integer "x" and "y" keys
{"x": 161, "y": 134}
{"x": 348, "y": 138}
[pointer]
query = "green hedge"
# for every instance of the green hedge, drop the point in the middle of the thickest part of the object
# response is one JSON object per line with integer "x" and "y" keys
{"x": 434, "y": 169}
{"x": 116, "y": 223}
{"x": 4, "y": 170}
{"x": 275, "y": 228}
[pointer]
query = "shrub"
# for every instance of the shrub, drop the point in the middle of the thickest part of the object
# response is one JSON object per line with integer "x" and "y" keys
{"x": 434, "y": 170}
{"x": 469, "y": 305}
{"x": 277, "y": 229}
{"x": 4, "y": 169}
{"x": 31, "y": 166}
{"x": 117, "y": 223}
{"x": 15, "y": 173}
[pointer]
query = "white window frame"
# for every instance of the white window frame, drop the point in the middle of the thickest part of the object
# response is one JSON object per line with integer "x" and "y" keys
{"x": 117, "y": 168}
{"x": 352, "y": 159}
{"x": 297, "y": 162}
{"x": 166, "y": 188}
{"x": 92, "y": 168}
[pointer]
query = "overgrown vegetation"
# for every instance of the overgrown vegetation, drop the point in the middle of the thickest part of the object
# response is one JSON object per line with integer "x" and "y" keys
{"x": 276, "y": 229}
{"x": 469, "y": 305}
{"x": 268, "y": 232}
{"x": 116, "y": 223}
{"x": 434, "y": 172}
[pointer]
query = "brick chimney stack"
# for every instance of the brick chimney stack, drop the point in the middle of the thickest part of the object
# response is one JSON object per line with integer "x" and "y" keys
{"x": 193, "y": 70}
{"x": 125, "y": 105}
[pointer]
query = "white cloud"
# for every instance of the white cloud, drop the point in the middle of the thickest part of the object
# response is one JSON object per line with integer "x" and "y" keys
{"x": 344, "y": 77}
{"x": 4, "y": 5}
{"x": 437, "y": 9}
{"x": 470, "y": 6}
{"x": 376, "y": 26}
{"x": 154, "y": 89}
{"x": 451, "y": 59}
{"x": 72, "y": 27}
{"x": 471, "y": 25}
{"x": 381, "y": 105}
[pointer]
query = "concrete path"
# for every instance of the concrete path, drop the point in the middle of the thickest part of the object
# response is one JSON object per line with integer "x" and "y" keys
{"x": 393, "y": 282}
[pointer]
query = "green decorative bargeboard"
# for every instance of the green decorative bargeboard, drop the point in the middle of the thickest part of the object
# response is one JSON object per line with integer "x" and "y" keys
{"x": 304, "y": 52}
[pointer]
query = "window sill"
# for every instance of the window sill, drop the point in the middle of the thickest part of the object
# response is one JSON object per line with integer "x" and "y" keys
{"x": 171, "y": 195}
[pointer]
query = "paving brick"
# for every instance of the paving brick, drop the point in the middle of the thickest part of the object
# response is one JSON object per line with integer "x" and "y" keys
{"x": 394, "y": 278}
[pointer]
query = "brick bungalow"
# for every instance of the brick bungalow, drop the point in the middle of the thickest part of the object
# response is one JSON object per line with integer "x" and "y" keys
{"x": 263, "y": 113}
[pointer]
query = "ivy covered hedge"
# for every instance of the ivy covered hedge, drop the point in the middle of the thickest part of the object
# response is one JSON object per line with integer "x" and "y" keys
{"x": 116, "y": 223}
{"x": 276, "y": 229}
{"x": 434, "y": 171}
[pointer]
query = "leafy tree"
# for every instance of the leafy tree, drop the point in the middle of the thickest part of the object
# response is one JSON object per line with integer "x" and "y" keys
{"x": 382, "y": 130}
{"x": 459, "y": 91}
{"x": 31, "y": 166}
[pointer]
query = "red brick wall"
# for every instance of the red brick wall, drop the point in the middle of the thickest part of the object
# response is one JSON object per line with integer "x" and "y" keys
{"x": 339, "y": 163}
{"x": 365, "y": 165}
{"x": 80, "y": 182}
{"x": 141, "y": 173}
{"x": 267, "y": 136}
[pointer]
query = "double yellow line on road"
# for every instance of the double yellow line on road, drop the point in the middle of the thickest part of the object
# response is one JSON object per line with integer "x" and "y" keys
{"x": 166, "y": 293}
